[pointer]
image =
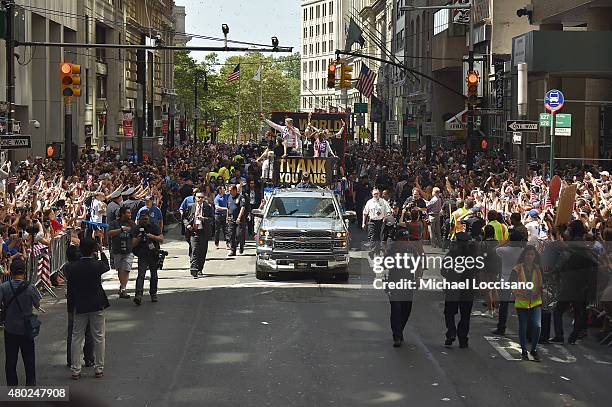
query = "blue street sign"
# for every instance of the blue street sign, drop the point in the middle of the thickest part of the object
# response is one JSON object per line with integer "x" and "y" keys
{"x": 554, "y": 100}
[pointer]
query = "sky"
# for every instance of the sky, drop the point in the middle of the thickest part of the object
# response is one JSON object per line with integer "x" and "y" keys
{"x": 254, "y": 21}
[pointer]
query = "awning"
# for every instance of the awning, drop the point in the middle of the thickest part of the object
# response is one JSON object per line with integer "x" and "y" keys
{"x": 457, "y": 122}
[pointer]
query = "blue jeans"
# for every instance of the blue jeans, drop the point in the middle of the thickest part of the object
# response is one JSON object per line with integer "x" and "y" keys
{"x": 524, "y": 316}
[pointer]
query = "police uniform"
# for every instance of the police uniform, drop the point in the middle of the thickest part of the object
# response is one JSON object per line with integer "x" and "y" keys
{"x": 236, "y": 230}
{"x": 376, "y": 210}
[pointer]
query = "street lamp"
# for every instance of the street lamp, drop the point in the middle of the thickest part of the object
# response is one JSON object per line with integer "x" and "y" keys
{"x": 225, "y": 29}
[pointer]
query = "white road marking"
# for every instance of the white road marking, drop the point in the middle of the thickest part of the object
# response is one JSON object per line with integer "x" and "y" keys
{"x": 494, "y": 341}
{"x": 594, "y": 359}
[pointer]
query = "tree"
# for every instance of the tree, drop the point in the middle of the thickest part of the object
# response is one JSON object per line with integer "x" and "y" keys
{"x": 278, "y": 89}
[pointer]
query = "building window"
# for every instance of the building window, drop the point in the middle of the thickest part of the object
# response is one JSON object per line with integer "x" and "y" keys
{"x": 317, "y": 66}
{"x": 311, "y": 12}
{"x": 101, "y": 87}
{"x": 310, "y": 102}
{"x": 309, "y": 83}
{"x": 310, "y": 67}
{"x": 441, "y": 20}
{"x": 331, "y": 27}
{"x": 318, "y": 11}
{"x": 399, "y": 45}
{"x": 331, "y": 45}
{"x": 324, "y": 9}
{"x": 310, "y": 48}
{"x": 305, "y": 49}
{"x": 318, "y": 29}
{"x": 323, "y": 67}
{"x": 324, "y": 44}
{"x": 305, "y": 32}
{"x": 305, "y": 14}
{"x": 305, "y": 67}
{"x": 331, "y": 8}
{"x": 311, "y": 33}
{"x": 316, "y": 85}
{"x": 323, "y": 84}
{"x": 324, "y": 28}
{"x": 304, "y": 102}
{"x": 317, "y": 48}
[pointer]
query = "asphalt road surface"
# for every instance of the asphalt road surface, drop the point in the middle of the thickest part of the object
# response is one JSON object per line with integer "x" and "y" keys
{"x": 230, "y": 340}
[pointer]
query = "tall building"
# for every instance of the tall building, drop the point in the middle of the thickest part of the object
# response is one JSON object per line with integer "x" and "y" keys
{"x": 109, "y": 89}
{"x": 322, "y": 33}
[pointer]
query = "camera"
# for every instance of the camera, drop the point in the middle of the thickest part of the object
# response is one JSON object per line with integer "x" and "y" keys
{"x": 142, "y": 234}
{"x": 162, "y": 257}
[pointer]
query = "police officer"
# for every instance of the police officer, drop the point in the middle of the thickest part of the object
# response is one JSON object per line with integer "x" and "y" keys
{"x": 400, "y": 299}
{"x": 236, "y": 219}
{"x": 374, "y": 213}
{"x": 198, "y": 226}
{"x": 146, "y": 241}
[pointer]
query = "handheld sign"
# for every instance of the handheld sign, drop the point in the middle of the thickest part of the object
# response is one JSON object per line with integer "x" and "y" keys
{"x": 566, "y": 205}
{"x": 555, "y": 187}
{"x": 554, "y": 100}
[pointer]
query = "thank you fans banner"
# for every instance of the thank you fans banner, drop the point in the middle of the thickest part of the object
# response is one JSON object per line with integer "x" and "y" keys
{"x": 289, "y": 170}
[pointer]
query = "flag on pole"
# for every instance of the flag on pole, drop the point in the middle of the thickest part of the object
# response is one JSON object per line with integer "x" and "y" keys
{"x": 365, "y": 83}
{"x": 257, "y": 76}
{"x": 235, "y": 75}
{"x": 354, "y": 34}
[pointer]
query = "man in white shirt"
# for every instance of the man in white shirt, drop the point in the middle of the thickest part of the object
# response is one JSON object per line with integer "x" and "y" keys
{"x": 533, "y": 226}
{"x": 267, "y": 168}
{"x": 292, "y": 139}
{"x": 374, "y": 213}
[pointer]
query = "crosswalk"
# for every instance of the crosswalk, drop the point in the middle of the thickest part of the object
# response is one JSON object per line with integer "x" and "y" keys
{"x": 509, "y": 348}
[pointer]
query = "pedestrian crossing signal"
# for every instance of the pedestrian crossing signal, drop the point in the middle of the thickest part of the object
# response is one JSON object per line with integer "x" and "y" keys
{"x": 54, "y": 150}
{"x": 71, "y": 80}
{"x": 331, "y": 76}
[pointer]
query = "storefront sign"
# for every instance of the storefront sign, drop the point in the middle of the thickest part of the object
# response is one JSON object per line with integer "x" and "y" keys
{"x": 128, "y": 129}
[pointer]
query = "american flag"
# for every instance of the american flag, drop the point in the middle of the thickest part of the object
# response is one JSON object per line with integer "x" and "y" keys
{"x": 548, "y": 203}
{"x": 365, "y": 83}
{"x": 537, "y": 181}
{"x": 44, "y": 263}
{"x": 235, "y": 75}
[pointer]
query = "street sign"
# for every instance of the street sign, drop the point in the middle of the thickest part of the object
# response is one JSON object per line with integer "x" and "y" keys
{"x": 361, "y": 108}
{"x": 15, "y": 142}
{"x": 429, "y": 128}
{"x": 561, "y": 120}
{"x": 522, "y": 125}
{"x": 488, "y": 112}
{"x": 563, "y": 131}
{"x": 454, "y": 126}
{"x": 554, "y": 100}
{"x": 517, "y": 137}
{"x": 392, "y": 127}
{"x": 360, "y": 120}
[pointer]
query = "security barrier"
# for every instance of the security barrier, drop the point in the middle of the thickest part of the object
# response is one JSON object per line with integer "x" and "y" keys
{"x": 46, "y": 261}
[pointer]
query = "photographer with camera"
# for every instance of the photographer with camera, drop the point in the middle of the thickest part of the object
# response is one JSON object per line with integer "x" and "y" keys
{"x": 147, "y": 237}
{"x": 120, "y": 233}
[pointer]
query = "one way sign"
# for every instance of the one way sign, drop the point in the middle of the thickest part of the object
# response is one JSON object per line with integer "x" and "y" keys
{"x": 522, "y": 125}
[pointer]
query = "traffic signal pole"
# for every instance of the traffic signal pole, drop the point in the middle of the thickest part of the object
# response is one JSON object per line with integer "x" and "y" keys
{"x": 10, "y": 69}
{"x": 68, "y": 137}
{"x": 470, "y": 113}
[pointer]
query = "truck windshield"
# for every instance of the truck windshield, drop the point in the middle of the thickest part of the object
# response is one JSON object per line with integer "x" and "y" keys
{"x": 310, "y": 207}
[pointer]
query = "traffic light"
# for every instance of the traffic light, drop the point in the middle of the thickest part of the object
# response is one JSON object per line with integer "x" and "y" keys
{"x": 472, "y": 80}
{"x": 346, "y": 76}
{"x": 71, "y": 80}
{"x": 331, "y": 76}
{"x": 54, "y": 150}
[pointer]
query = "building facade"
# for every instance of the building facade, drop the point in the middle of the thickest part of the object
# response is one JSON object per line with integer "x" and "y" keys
{"x": 109, "y": 89}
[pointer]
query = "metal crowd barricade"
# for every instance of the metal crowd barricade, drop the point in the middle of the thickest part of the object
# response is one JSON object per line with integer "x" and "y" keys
{"x": 58, "y": 253}
{"x": 56, "y": 258}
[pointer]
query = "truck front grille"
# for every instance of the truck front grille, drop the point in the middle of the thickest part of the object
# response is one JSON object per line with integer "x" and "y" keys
{"x": 295, "y": 234}
{"x": 303, "y": 245}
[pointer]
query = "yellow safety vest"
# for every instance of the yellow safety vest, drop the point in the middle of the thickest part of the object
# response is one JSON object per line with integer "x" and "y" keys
{"x": 527, "y": 299}
{"x": 457, "y": 225}
{"x": 501, "y": 231}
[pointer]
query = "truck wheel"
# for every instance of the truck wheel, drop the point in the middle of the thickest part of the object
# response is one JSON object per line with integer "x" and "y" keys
{"x": 261, "y": 275}
{"x": 342, "y": 276}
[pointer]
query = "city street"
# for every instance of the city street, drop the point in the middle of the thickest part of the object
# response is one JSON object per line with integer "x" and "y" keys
{"x": 230, "y": 340}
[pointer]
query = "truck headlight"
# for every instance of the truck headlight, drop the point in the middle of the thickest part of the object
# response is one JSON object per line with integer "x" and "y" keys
{"x": 340, "y": 235}
{"x": 264, "y": 233}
